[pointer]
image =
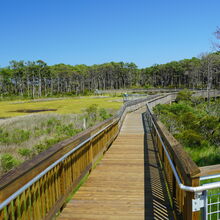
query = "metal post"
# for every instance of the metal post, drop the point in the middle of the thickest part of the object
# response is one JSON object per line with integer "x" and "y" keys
{"x": 205, "y": 211}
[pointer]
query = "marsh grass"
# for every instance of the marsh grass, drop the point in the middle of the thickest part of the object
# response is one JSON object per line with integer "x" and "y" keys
{"x": 74, "y": 105}
{"x": 23, "y": 137}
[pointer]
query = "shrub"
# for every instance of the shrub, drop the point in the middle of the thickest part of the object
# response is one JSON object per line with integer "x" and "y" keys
{"x": 104, "y": 114}
{"x": 39, "y": 148}
{"x": 92, "y": 111}
{"x": 179, "y": 108}
{"x": 17, "y": 136}
{"x": 190, "y": 138}
{"x": 25, "y": 152}
{"x": 189, "y": 120}
{"x": 8, "y": 162}
{"x": 184, "y": 95}
{"x": 20, "y": 136}
{"x": 45, "y": 145}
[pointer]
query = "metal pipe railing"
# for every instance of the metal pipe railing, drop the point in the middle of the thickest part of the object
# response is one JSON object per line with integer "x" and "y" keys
{"x": 179, "y": 182}
{"x": 40, "y": 175}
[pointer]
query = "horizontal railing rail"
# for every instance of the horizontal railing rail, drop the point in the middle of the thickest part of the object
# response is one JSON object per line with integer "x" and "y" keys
{"x": 180, "y": 183}
{"x": 35, "y": 179}
{"x": 39, "y": 187}
{"x": 182, "y": 174}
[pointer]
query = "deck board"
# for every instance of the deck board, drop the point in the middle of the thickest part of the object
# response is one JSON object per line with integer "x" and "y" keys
{"x": 126, "y": 184}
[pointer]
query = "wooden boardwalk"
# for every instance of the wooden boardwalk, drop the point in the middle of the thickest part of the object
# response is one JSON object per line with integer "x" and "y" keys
{"x": 127, "y": 183}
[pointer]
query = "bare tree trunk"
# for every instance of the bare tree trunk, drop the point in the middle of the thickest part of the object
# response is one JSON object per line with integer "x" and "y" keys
{"x": 39, "y": 85}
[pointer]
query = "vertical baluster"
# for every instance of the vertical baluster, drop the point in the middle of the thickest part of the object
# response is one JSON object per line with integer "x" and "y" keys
{"x": 3, "y": 213}
{"x": 42, "y": 196}
{"x": 23, "y": 206}
{"x": 11, "y": 210}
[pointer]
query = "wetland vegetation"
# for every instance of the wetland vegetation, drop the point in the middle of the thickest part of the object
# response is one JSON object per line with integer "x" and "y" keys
{"x": 196, "y": 124}
{"x": 27, "y": 135}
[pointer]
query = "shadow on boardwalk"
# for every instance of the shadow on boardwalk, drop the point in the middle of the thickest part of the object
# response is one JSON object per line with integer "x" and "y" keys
{"x": 157, "y": 205}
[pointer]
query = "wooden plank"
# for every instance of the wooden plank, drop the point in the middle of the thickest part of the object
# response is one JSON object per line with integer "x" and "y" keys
{"x": 187, "y": 167}
{"x": 209, "y": 170}
{"x": 116, "y": 188}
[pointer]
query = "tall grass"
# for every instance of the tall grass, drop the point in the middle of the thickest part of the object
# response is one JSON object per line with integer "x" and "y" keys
{"x": 23, "y": 137}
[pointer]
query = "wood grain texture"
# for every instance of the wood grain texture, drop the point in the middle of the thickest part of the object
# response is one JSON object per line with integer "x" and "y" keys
{"x": 123, "y": 182}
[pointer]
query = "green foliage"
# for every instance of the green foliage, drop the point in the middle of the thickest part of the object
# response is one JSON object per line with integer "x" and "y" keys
{"x": 195, "y": 127}
{"x": 16, "y": 136}
{"x": 104, "y": 114}
{"x": 188, "y": 120}
{"x": 39, "y": 148}
{"x": 179, "y": 108}
{"x": 190, "y": 138}
{"x": 8, "y": 162}
{"x": 45, "y": 145}
{"x": 184, "y": 95}
{"x": 92, "y": 111}
{"x": 25, "y": 152}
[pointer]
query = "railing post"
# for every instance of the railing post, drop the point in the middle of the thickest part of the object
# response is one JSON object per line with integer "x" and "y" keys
{"x": 91, "y": 154}
{"x": 62, "y": 179}
{"x": 204, "y": 210}
{"x": 188, "y": 214}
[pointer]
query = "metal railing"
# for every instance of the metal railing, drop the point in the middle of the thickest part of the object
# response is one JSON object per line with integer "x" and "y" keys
{"x": 40, "y": 175}
{"x": 211, "y": 205}
{"x": 205, "y": 198}
{"x": 39, "y": 191}
{"x": 57, "y": 173}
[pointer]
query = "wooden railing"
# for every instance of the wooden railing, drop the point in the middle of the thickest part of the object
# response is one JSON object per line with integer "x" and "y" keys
{"x": 187, "y": 170}
{"x": 39, "y": 187}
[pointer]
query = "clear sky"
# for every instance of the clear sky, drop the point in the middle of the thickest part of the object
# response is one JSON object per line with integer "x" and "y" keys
{"x": 97, "y": 31}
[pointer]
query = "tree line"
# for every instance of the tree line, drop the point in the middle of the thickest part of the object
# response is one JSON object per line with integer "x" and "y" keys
{"x": 37, "y": 79}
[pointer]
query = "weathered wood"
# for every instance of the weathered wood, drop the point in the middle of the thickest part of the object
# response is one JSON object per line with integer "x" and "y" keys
{"x": 119, "y": 187}
{"x": 188, "y": 214}
{"x": 185, "y": 167}
{"x": 209, "y": 170}
{"x": 183, "y": 161}
{"x": 55, "y": 186}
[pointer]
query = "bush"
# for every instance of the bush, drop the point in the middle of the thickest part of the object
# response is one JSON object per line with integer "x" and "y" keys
{"x": 190, "y": 138}
{"x": 184, "y": 95}
{"x": 39, "y": 148}
{"x": 179, "y": 108}
{"x": 189, "y": 120}
{"x": 92, "y": 111}
{"x": 8, "y": 162}
{"x": 20, "y": 136}
{"x": 44, "y": 146}
{"x": 17, "y": 136}
{"x": 104, "y": 114}
{"x": 25, "y": 152}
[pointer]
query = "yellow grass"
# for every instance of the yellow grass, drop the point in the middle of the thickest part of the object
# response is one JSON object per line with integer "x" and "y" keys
{"x": 63, "y": 106}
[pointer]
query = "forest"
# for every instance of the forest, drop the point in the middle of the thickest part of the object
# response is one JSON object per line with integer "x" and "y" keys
{"x": 34, "y": 79}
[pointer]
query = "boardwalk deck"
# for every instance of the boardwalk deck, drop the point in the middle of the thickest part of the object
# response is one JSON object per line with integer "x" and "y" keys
{"x": 127, "y": 183}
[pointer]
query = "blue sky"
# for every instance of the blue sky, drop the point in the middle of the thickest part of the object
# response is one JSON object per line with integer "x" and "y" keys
{"x": 97, "y": 31}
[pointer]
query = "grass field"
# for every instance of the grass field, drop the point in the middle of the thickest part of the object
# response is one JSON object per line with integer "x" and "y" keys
{"x": 37, "y": 129}
{"x": 60, "y": 106}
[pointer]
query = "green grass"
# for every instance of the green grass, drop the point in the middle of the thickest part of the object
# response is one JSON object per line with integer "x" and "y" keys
{"x": 62, "y": 106}
{"x": 205, "y": 155}
{"x": 23, "y": 137}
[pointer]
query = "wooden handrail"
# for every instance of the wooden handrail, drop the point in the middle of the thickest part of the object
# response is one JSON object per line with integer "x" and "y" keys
{"x": 47, "y": 195}
{"x": 209, "y": 170}
{"x": 186, "y": 168}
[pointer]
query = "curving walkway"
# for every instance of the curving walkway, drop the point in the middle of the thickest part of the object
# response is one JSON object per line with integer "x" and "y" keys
{"x": 127, "y": 184}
